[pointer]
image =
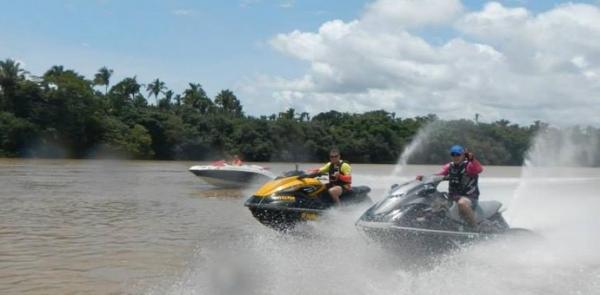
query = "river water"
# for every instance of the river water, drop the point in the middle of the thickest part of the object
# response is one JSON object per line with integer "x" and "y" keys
{"x": 145, "y": 227}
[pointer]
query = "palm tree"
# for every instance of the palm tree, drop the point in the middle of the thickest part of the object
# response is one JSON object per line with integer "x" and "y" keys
{"x": 103, "y": 77}
{"x": 131, "y": 87}
{"x": 55, "y": 71}
{"x": 227, "y": 102}
{"x": 155, "y": 88}
{"x": 165, "y": 103}
{"x": 196, "y": 98}
{"x": 10, "y": 75}
{"x": 304, "y": 117}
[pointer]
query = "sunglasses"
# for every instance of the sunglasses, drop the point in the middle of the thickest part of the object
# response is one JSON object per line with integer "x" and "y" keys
{"x": 455, "y": 154}
{"x": 334, "y": 156}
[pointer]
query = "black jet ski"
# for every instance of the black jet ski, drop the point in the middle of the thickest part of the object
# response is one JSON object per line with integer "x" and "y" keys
{"x": 417, "y": 217}
{"x": 296, "y": 197}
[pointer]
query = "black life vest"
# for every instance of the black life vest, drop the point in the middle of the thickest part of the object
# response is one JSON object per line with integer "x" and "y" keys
{"x": 332, "y": 170}
{"x": 460, "y": 183}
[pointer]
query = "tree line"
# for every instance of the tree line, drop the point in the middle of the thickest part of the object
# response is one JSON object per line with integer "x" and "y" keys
{"x": 63, "y": 114}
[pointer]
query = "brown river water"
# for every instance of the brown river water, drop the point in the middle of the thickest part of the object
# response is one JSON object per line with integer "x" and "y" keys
{"x": 149, "y": 227}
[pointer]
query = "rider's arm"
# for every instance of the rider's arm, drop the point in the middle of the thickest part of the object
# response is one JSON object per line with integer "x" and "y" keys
{"x": 474, "y": 167}
{"x": 324, "y": 169}
{"x": 443, "y": 173}
{"x": 445, "y": 170}
{"x": 438, "y": 178}
{"x": 345, "y": 173}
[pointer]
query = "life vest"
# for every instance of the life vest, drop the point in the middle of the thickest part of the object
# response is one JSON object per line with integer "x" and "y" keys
{"x": 460, "y": 183}
{"x": 337, "y": 168}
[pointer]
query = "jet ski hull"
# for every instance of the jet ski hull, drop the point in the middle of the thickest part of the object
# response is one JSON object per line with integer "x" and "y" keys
{"x": 280, "y": 215}
{"x": 416, "y": 217}
{"x": 286, "y": 201}
{"x": 413, "y": 239}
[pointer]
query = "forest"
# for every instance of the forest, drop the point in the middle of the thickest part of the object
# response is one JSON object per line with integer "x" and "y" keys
{"x": 63, "y": 114}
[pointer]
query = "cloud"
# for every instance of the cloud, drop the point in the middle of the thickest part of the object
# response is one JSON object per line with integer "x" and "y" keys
{"x": 287, "y": 4}
{"x": 248, "y": 3}
{"x": 501, "y": 62}
{"x": 411, "y": 13}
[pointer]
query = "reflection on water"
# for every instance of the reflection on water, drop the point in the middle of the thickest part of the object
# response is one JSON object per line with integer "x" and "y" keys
{"x": 101, "y": 227}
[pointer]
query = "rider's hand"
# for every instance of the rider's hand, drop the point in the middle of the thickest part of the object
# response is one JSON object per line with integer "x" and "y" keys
{"x": 336, "y": 175}
{"x": 469, "y": 156}
{"x": 419, "y": 177}
{"x": 305, "y": 174}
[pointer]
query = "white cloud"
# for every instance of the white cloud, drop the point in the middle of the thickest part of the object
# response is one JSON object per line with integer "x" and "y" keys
{"x": 411, "y": 13}
{"x": 503, "y": 63}
{"x": 248, "y": 3}
{"x": 182, "y": 12}
{"x": 287, "y": 4}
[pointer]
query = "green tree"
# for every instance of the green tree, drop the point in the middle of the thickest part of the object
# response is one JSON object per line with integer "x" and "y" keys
{"x": 195, "y": 98}
{"x": 155, "y": 88}
{"x": 71, "y": 112}
{"x": 227, "y": 102}
{"x": 165, "y": 102}
{"x": 16, "y": 135}
{"x": 11, "y": 74}
{"x": 54, "y": 71}
{"x": 125, "y": 95}
{"x": 102, "y": 78}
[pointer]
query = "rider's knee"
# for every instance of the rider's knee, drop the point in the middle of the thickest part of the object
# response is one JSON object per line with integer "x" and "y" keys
{"x": 464, "y": 203}
{"x": 336, "y": 190}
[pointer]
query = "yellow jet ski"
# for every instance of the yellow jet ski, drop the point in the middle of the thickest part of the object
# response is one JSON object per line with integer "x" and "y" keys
{"x": 297, "y": 197}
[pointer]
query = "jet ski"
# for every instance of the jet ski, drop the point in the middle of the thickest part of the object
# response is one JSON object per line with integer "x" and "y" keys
{"x": 224, "y": 175}
{"x": 296, "y": 197}
{"x": 417, "y": 217}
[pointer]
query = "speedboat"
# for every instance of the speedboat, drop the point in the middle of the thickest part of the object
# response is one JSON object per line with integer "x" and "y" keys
{"x": 418, "y": 218}
{"x": 297, "y": 197}
{"x": 224, "y": 175}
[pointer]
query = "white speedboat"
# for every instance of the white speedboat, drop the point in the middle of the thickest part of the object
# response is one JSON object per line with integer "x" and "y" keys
{"x": 224, "y": 175}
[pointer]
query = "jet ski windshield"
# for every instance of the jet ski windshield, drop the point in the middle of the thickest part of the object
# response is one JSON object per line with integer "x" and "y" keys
{"x": 400, "y": 195}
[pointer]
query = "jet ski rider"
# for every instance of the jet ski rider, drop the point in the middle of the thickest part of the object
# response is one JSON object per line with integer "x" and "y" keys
{"x": 340, "y": 175}
{"x": 463, "y": 175}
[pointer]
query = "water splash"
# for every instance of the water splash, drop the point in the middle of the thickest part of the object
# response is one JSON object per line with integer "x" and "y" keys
{"x": 557, "y": 197}
{"x": 335, "y": 259}
{"x": 554, "y": 172}
{"x": 421, "y": 137}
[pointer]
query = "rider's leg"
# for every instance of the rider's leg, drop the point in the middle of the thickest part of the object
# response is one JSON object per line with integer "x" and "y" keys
{"x": 466, "y": 210}
{"x": 335, "y": 192}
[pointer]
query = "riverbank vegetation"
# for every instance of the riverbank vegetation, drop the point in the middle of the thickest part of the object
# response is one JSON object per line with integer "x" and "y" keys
{"x": 63, "y": 114}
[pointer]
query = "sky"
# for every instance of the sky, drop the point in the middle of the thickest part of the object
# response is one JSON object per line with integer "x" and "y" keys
{"x": 517, "y": 60}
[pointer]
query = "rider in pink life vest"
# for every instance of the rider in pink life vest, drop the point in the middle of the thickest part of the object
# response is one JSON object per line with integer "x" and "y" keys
{"x": 462, "y": 174}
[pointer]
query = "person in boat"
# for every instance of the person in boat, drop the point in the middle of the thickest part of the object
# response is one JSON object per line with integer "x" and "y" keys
{"x": 463, "y": 174}
{"x": 236, "y": 161}
{"x": 340, "y": 175}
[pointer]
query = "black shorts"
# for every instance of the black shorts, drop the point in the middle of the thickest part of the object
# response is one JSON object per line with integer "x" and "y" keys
{"x": 474, "y": 200}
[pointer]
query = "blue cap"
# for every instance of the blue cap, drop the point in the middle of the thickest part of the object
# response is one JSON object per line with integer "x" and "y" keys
{"x": 457, "y": 150}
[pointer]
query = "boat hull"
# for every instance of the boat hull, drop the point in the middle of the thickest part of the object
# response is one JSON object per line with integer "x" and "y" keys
{"x": 231, "y": 178}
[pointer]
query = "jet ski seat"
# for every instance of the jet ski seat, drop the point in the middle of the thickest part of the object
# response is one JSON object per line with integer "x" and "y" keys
{"x": 360, "y": 189}
{"x": 483, "y": 211}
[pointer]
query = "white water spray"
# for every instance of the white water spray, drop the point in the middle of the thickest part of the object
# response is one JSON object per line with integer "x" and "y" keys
{"x": 335, "y": 259}
{"x": 410, "y": 149}
{"x": 558, "y": 197}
